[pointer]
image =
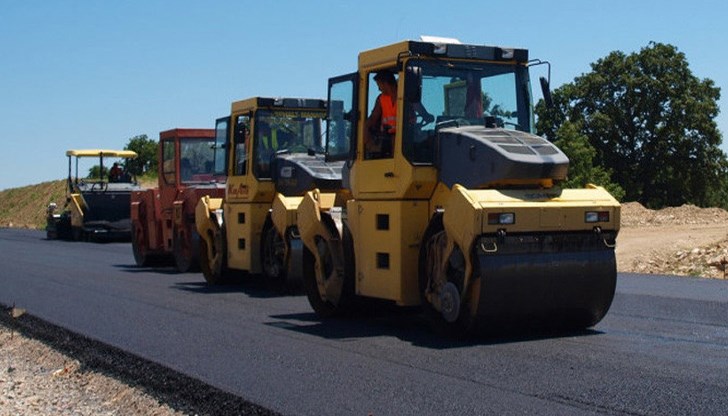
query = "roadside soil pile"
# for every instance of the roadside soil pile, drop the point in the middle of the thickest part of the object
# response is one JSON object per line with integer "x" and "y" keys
{"x": 684, "y": 241}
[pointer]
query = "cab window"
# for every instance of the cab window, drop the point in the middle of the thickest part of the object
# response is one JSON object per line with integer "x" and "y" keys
{"x": 168, "y": 167}
{"x": 241, "y": 138}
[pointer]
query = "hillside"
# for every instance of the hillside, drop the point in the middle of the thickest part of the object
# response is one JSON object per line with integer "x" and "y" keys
{"x": 26, "y": 207}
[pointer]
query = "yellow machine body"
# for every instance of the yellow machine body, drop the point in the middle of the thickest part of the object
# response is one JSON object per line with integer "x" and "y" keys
{"x": 457, "y": 208}
{"x": 270, "y": 143}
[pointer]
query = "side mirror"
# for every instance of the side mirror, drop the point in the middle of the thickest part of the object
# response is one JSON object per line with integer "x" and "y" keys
{"x": 546, "y": 91}
{"x": 413, "y": 84}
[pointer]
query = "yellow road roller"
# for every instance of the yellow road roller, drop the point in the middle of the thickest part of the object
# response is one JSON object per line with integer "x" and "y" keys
{"x": 272, "y": 151}
{"x": 455, "y": 202}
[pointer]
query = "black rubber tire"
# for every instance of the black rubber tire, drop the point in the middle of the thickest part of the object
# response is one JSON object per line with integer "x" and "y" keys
{"x": 215, "y": 271}
{"x": 63, "y": 227}
{"x": 324, "y": 308}
{"x": 273, "y": 260}
{"x": 139, "y": 245}
{"x": 461, "y": 327}
{"x": 78, "y": 234}
{"x": 186, "y": 250}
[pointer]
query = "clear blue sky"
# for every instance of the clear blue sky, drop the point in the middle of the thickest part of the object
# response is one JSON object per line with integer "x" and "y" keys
{"x": 80, "y": 74}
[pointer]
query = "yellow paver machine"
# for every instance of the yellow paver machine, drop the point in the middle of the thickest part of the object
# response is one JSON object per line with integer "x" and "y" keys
{"x": 97, "y": 208}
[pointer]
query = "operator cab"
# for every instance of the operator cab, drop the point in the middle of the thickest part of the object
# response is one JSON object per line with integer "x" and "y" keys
{"x": 446, "y": 92}
{"x": 459, "y": 85}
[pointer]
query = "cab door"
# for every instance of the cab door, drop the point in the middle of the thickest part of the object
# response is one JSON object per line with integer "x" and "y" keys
{"x": 341, "y": 121}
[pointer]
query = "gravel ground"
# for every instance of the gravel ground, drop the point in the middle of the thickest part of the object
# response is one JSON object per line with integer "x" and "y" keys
{"x": 682, "y": 241}
{"x": 47, "y": 370}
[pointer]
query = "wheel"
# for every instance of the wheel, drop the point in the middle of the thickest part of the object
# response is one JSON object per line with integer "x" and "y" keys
{"x": 186, "y": 249}
{"x": 214, "y": 266}
{"x": 329, "y": 284}
{"x": 139, "y": 244}
{"x": 63, "y": 227}
{"x": 324, "y": 308}
{"x": 52, "y": 229}
{"x": 441, "y": 284}
{"x": 274, "y": 258}
{"x": 78, "y": 234}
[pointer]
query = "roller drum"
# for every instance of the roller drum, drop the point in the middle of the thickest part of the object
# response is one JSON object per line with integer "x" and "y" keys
{"x": 557, "y": 281}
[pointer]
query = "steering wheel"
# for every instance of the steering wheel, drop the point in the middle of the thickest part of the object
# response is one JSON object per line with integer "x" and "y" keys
{"x": 102, "y": 186}
{"x": 453, "y": 122}
{"x": 298, "y": 148}
{"x": 421, "y": 121}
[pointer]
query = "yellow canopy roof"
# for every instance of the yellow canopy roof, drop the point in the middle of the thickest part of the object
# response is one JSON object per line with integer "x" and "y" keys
{"x": 101, "y": 152}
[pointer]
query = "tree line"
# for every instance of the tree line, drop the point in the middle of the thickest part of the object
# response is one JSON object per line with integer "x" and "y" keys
{"x": 144, "y": 163}
{"x": 643, "y": 126}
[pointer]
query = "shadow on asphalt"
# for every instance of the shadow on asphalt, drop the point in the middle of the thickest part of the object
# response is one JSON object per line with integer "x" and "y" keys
{"x": 371, "y": 318}
{"x": 254, "y": 291}
{"x": 161, "y": 269}
{"x": 409, "y": 325}
{"x": 253, "y": 286}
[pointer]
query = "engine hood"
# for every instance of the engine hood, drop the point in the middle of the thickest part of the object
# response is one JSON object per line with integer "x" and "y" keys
{"x": 476, "y": 156}
{"x": 296, "y": 173}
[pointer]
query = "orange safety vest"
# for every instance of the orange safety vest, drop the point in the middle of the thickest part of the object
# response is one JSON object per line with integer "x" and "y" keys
{"x": 389, "y": 113}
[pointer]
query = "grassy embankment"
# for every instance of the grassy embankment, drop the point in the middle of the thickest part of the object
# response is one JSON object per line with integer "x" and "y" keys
{"x": 26, "y": 207}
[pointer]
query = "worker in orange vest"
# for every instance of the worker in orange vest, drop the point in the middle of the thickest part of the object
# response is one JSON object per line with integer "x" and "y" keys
{"x": 382, "y": 122}
{"x": 381, "y": 125}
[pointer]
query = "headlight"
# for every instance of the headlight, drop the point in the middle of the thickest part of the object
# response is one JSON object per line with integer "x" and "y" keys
{"x": 596, "y": 216}
{"x": 501, "y": 218}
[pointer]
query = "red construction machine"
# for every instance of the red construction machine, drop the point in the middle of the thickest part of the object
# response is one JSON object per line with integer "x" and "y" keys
{"x": 163, "y": 218}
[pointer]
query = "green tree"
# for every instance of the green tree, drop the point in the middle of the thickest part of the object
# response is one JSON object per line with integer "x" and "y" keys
{"x": 581, "y": 161}
{"x": 146, "y": 159}
{"x": 95, "y": 172}
{"x": 651, "y": 123}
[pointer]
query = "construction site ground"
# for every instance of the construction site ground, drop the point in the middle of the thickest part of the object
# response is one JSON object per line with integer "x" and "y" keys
{"x": 684, "y": 241}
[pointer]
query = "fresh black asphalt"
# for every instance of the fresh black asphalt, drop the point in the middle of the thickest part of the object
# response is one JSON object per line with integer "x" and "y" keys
{"x": 662, "y": 348}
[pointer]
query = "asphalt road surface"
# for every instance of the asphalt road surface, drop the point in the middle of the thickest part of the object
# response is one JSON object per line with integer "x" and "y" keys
{"x": 662, "y": 348}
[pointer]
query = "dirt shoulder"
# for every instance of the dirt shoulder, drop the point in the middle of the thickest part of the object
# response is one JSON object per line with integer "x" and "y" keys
{"x": 48, "y": 370}
{"x": 683, "y": 241}
{"x": 38, "y": 380}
